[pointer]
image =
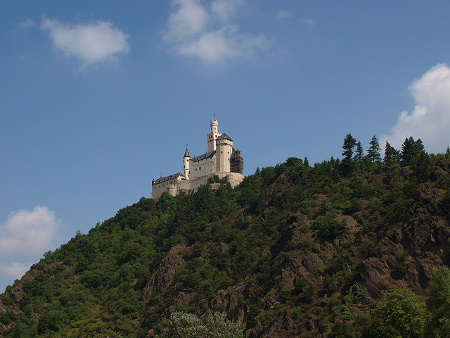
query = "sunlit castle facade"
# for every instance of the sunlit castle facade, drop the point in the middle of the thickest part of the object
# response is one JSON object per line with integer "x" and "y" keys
{"x": 221, "y": 159}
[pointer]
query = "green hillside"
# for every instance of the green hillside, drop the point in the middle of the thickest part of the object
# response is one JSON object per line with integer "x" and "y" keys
{"x": 344, "y": 248}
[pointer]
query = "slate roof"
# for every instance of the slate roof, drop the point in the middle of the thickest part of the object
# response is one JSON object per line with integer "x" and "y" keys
{"x": 224, "y": 137}
{"x": 204, "y": 156}
{"x": 167, "y": 178}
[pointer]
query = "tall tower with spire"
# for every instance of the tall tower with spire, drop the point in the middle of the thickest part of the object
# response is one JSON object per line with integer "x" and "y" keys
{"x": 213, "y": 135}
{"x": 186, "y": 159}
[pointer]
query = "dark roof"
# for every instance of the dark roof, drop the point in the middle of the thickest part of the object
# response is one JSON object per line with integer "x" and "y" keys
{"x": 186, "y": 154}
{"x": 203, "y": 157}
{"x": 167, "y": 178}
{"x": 224, "y": 137}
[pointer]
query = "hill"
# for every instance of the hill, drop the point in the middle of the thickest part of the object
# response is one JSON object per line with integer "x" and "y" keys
{"x": 295, "y": 250}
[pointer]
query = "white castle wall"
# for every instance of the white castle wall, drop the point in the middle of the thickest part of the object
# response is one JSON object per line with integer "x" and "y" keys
{"x": 202, "y": 168}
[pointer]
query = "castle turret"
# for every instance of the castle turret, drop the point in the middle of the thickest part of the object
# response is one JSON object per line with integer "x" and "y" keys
{"x": 213, "y": 135}
{"x": 186, "y": 159}
{"x": 223, "y": 153}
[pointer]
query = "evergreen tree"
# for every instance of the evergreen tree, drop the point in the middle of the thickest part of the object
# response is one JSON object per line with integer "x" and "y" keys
{"x": 411, "y": 148}
{"x": 359, "y": 152}
{"x": 349, "y": 144}
{"x": 347, "y": 163}
{"x": 306, "y": 162}
{"x": 373, "y": 153}
{"x": 391, "y": 155}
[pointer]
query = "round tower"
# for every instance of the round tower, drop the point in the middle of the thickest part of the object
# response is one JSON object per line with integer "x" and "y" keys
{"x": 186, "y": 159}
{"x": 223, "y": 153}
{"x": 212, "y": 136}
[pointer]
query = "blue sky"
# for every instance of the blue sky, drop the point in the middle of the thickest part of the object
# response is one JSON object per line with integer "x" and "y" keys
{"x": 98, "y": 98}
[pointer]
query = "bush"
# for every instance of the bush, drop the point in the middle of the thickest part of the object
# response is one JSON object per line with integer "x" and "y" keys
{"x": 187, "y": 325}
{"x": 328, "y": 226}
{"x": 402, "y": 312}
{"x": 439, "y": 303}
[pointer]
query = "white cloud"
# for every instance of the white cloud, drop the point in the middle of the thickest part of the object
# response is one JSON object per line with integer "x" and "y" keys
{"x": 224, "y": 9}
{"x": 430, "y": 118}
{"x": 14, "y": 270}
{"x": 28, "y": 234}
{"x": 207, "y": 33}
{"x": 284, "y": 14}
{"x": 91, "y": 43}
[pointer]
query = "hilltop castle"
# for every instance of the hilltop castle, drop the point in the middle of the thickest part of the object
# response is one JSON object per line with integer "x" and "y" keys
{"x": 221, "y": 159}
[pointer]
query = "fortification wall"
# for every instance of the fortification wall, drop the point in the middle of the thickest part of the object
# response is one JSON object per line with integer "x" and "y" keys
{"x": 202, "y": 168}
{"x": 233, "y": 178}
{"x": 182, "y": 185}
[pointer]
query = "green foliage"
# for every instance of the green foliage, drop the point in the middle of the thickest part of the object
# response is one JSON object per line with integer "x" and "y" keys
{"x": 391, "y": 155}
{"x": 349, "y": 144}
{"x": 410, "y": 148}
{"x": 187, "y": 325}
{"x": 439, "y": 304}
{"x": 282, "y": 228}
{"x": 401, "y": 312}
{"x": 373, "y": 153}
{"x": 347, "y": 162}
{"x": 328, "y": 226}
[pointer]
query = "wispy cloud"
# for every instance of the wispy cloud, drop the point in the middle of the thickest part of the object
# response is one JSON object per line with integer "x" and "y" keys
{"x": 284, "y": 14}
{"x": 25, "y": 237}
{"x": 207, "y": 32}
{"x": 91, "y": 43}
{"x": 27, "y": 23}
{"x": 14, "y": 270}
{"x": 308, "y": 22}
{"x": 430, "y": 118}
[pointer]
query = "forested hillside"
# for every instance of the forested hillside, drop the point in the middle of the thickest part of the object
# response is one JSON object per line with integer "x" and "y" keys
{"x": 343, "y": 248}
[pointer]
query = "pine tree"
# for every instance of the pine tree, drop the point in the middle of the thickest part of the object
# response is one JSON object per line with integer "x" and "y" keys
{"x": 391, "y": 155}
{"x": 373, "y": 153}
{"x": 349, "y": 144}
{"x": 411, "y": 148}
{"x": 359, "y": 152}
{"x": 347, "y": 163}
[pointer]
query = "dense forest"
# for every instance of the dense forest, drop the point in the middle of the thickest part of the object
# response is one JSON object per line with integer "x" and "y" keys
{"x": 351, "y": 247}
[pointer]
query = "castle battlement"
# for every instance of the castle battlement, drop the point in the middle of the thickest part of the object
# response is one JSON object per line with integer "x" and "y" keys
{"x": 221, "y": 159}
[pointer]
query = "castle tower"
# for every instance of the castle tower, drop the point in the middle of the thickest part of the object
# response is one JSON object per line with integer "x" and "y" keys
{"x": 186, "y": 159}
{"x": 224, "y": 145}
{"x": 213, "y": 135}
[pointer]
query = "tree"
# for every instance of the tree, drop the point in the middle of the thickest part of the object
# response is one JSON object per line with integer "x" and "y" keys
{"x": 373, "y": 153}
{"x": 349, "y": 144}
{"x": 306, "y": 162}
{"x": 411, "y": 148}
{"x": 391, "y": 155}
{"x": 184, "y": 325}
{"x": 220, "y": 327}
{"x": 347, "y": 163}
{"x": 187, "y": 325}
{"x": 439, "y": 304}
{"x": 401, "y": 312}
{"x": 359, "y": 152}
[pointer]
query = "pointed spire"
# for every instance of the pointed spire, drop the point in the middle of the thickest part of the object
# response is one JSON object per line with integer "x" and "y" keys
{"x": 186, "y": 154}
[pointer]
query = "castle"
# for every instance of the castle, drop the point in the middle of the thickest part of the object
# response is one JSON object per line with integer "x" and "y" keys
{"x": 221, "y": 159}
